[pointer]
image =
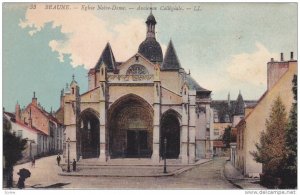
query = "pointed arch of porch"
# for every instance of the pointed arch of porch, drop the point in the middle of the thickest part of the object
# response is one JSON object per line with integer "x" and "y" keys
{"x": 170, "y": 125}
{"x": 88, "y": 134}
{"x": 130, "y": 127}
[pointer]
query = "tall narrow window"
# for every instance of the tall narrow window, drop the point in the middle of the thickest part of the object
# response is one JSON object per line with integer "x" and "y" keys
{"x": 19, "y": 133}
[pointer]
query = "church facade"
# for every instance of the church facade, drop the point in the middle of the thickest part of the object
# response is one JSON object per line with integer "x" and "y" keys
{"x": 132, "y": 108}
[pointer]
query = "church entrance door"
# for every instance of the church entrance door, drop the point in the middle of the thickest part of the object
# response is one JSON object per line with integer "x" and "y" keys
{"x": 137, "y": 143}
{"x": 130, "y": 128}
{"x": 170, "y": 129}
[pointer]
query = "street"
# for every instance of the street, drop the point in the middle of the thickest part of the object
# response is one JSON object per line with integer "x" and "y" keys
{"x": 205, "y": 176}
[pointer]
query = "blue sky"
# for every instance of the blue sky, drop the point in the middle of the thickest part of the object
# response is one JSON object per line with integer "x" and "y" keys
{"x": 225, "y": 46}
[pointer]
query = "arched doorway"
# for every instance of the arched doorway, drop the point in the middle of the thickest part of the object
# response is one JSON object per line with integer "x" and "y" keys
{"x": 89, "y": 134}
{"x": 130, "y": 128}
{"x": 170, "y": 129}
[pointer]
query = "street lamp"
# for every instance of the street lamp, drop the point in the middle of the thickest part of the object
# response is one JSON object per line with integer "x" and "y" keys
{"x": 68, "y": 141}
{"x": 165, "y": 155}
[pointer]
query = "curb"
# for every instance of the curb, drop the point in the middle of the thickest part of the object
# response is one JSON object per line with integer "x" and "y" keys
{"x": 229, "y": 179}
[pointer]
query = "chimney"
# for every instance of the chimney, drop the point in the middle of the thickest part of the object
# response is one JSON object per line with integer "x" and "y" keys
{"x": 272, "y": 59}
{"x": 18, "y": 112}
{"x": 30, "y": 119}
{"x": 292, "y": 55}
{"x": 281, "y": 56}
{"x": 34, "y": 99}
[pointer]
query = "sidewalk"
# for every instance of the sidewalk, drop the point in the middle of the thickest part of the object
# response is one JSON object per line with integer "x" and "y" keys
{"x": 238, "y": 180}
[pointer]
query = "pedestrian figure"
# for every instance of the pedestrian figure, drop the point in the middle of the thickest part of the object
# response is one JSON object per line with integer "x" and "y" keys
{"x": 33, "y": 162}
{"x": 58, "y": 159}
{"x": 24, "y": 173}
{"x": 21, "y": 183}
{"x": 74, "y": 165}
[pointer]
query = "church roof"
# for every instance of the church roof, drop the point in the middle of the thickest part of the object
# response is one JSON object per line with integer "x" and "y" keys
{"x": 171, "y": 61}
{"x": 107, "y": 57}
{"x": 194, "y": 85}
{"x": 151, "y": 19}
{"x": 151, "y": 50}
{"x": 240, "y": 106}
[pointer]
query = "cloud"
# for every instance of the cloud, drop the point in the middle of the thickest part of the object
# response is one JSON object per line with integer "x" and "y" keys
{"x": 86, "y": 34}
{"x": 250, "y": 67}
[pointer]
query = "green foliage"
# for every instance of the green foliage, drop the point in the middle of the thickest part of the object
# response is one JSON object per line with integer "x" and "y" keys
{"x": 6, "y": 124}
{"x": 227, "y": 136}
{"x": 290, "y": 166}
{"x": 271, "y": 149}
{"x": 12, "y": 148}
{"x": 12, "y": 151}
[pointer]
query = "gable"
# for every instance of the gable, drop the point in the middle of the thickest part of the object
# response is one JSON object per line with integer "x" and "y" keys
{"x": 137, "y": 59}
{"x": 90, "y": 96}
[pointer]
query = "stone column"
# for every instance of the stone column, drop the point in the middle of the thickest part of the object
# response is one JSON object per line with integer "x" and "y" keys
{"x": 102, "y": 110}
{"x": 71, "y": 109}
{"x": 184, "y": 126}
{"x": 102, "y": 120}
{"x": 184, "y": 135}
{"x": 156, "y": 115}
{"x": 192, "y": 126}
{"x": 71, "y": 133}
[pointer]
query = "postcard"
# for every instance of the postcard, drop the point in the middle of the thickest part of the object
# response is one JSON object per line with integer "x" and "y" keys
{"x": 149, "y": 95}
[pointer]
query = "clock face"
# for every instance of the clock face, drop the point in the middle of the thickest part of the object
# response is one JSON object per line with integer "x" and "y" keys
{"x": 137, "y": 69}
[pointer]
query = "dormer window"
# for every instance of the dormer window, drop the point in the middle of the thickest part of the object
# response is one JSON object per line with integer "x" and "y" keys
{"x": 137, "y": 69}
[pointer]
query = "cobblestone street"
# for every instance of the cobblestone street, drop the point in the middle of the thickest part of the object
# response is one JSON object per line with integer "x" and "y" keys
{"x": 205, "y": 176}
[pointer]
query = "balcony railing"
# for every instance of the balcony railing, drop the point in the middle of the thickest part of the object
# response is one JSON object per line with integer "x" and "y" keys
{"x": 130, "y": 78}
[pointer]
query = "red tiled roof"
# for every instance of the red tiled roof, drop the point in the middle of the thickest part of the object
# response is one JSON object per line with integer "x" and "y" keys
{"x": 218, "y": 144}
{"x": 10, "y": 114}
{"x": 45, "y": 113}
{"x": 31, "y": 128}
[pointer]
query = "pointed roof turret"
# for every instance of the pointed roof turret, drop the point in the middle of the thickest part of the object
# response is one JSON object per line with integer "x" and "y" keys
{"x": 73, "y": 80}
{"x": 171, "y": 61}
{"x": 240, "y": 105}
{"x": 107, "y": 57}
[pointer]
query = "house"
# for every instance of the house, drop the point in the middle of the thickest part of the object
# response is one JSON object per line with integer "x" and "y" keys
{"x": 36, "y": 139}
{"x": 280, "y": 76}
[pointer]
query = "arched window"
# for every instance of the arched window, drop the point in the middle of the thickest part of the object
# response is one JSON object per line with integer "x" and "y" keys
{"x": 137, "y": 69}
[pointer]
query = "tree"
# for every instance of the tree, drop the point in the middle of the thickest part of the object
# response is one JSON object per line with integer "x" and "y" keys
{"x": 290, "y": 172}
{"x": 227, "y": 136}
{"x": 271, "y": 149}
{"x": 12, "y": 150}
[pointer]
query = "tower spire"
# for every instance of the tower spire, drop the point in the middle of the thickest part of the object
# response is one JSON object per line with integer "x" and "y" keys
{"x": 151, "y": 25}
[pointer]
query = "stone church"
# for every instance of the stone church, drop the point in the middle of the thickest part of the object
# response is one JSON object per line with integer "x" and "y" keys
{"x": 131, "y": 107}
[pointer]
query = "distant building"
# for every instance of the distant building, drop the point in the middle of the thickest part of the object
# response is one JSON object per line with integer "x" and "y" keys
{"x": 34, "y": 116}
{"x": 226, "y": 113}
{"x": 36, "y": 139}
{"x": 280, "y": 76}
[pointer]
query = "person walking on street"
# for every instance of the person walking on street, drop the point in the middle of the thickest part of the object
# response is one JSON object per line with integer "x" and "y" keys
{"x": 74, "y": 165}
{"x": 58, "y": 159}
{"x": 33, "y": 162}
